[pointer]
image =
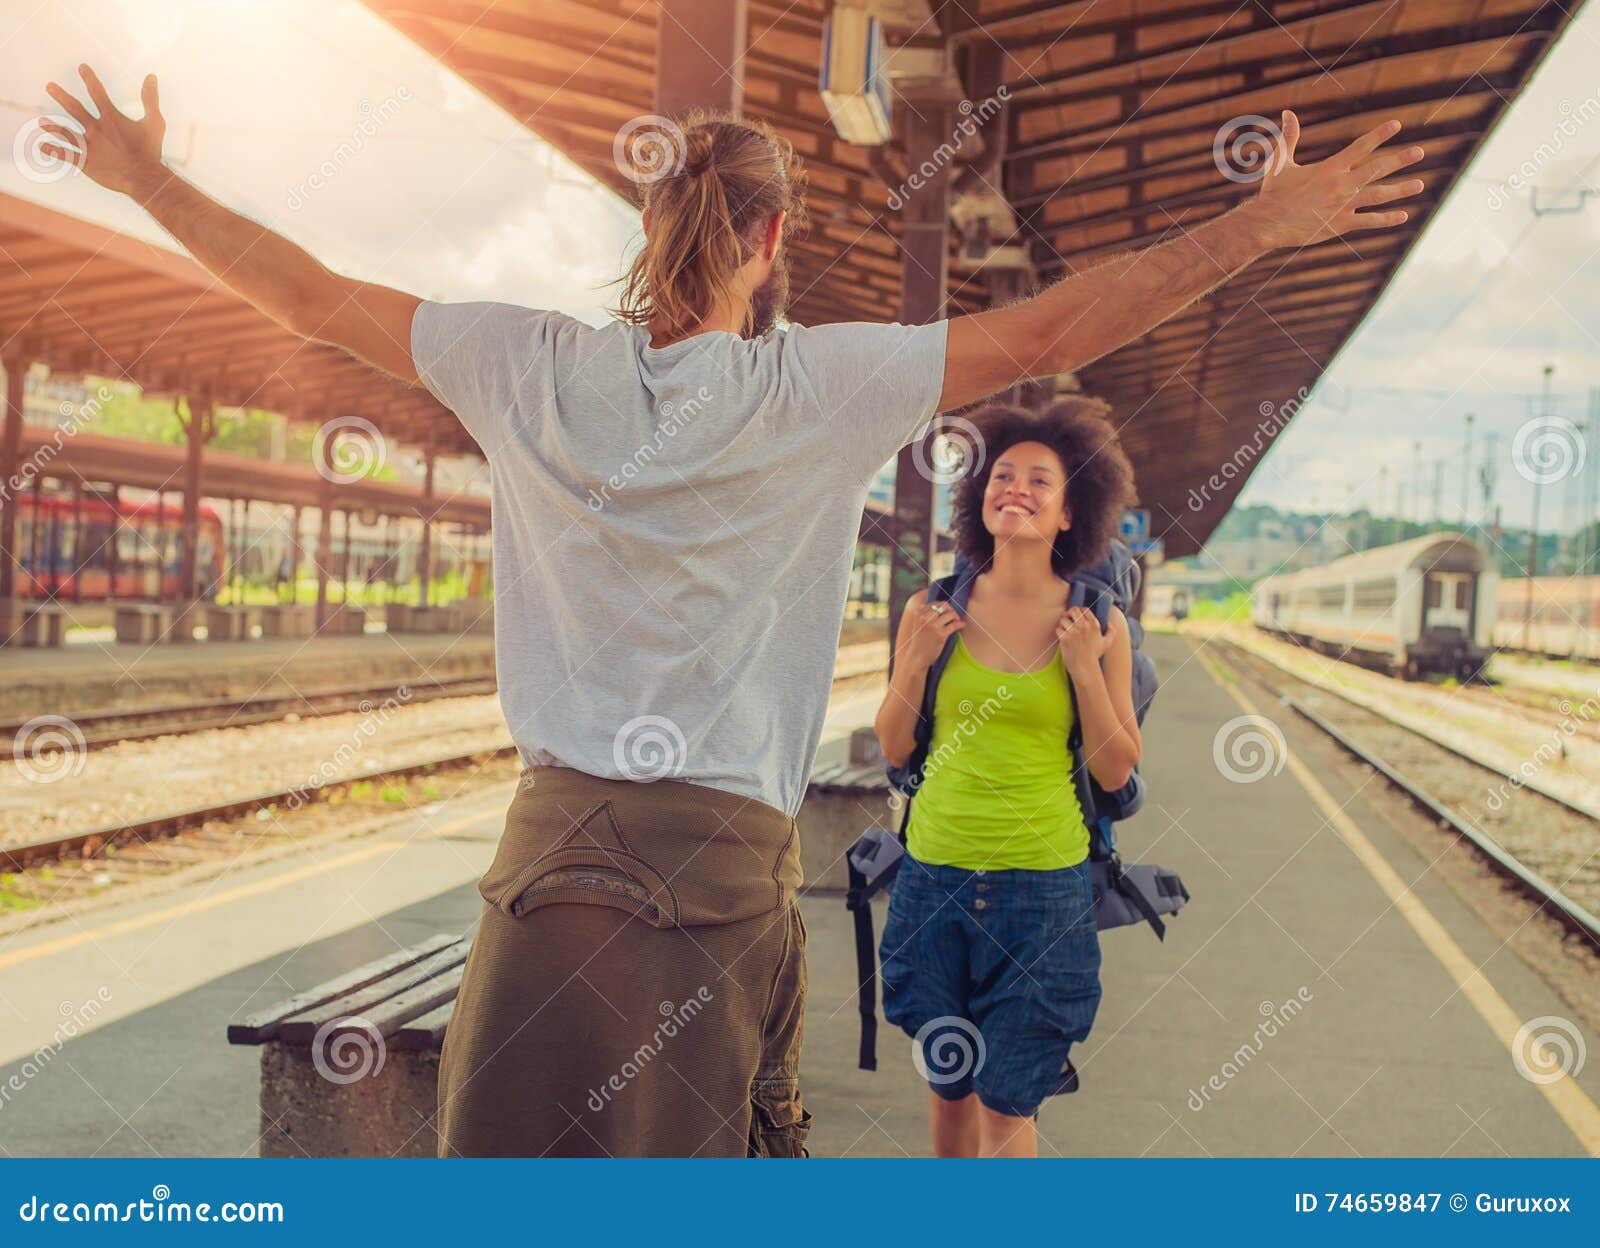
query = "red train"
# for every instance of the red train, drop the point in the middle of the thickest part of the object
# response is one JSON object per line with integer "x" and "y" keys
{"x": 63, "y": 562}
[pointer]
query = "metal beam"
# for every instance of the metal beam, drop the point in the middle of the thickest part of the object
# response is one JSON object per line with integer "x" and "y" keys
{"x": 925, "y": 237}
{"x": 10, "y": 464}
{"x": 700, "y": 50}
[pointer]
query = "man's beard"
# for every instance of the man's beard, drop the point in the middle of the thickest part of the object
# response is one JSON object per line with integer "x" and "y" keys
{"x": 770, "y": 299}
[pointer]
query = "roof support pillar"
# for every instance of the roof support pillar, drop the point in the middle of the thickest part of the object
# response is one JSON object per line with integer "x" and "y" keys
{"x": 387, "y": 568}
{"x": 925, "y": 230}
{"x": 425, "y": 557}
{"x": 198, "y": 430}
{"x": 35, "y": 563}
{"x": 700, "y": 48}
{"x": 294, "y": 557}
{"x": 79, "y": 564}
{"x": 324, "y": 525}
{"x": 344, "y": 561}
{"x": 10, "y": 462}
{"x": 114, "y": 543}
{"x": 160, "y": 593}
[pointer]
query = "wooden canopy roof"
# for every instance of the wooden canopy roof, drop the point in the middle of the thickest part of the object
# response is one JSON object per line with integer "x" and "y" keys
{"x": 84, "y": 299}
{"x": 1106, "y": 143}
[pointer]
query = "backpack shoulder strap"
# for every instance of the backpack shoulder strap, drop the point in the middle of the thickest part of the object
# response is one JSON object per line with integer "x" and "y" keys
{"x": 1088, "y": 590}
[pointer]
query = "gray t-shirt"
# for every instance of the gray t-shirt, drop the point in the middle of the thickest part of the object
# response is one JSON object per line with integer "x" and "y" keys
{"x": 674, "y": 528}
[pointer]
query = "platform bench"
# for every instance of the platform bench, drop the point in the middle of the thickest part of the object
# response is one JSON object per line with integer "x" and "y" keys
{"x": 429, "y": 619}
{"x": 350, "y": 1068}
{"x": 284, "y": 620}
{"x": 142, "y": 624}
{"x": 229, "y": 623}
{"x": 43, "y": 625}
{"x": 343, "y": 620}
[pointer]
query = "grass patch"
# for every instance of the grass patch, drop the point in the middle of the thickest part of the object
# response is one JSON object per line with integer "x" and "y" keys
{"x": 1236, "y": 606}
{"x": 11, "y": 901}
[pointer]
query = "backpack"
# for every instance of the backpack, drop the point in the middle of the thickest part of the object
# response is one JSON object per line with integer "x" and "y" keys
{"x": 1123, "y": 894}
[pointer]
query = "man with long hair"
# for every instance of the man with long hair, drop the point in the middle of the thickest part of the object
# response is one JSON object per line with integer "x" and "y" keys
{"x": 676, "y": 502}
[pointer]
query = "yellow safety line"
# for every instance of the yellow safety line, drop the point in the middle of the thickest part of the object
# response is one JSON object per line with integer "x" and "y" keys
{"x": 1569, "y": 1100}
{"x": 218, "y": 899}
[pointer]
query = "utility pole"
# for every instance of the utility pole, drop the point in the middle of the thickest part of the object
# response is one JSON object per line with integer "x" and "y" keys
{"x": 1486, "y": 482}
{"x": 1383, "y": 494}
{"x": 1572, "y": 501}
{"x": 1466, "y": 473}
{"x": 1533, "y": 529}
{"x": 1416, "y": 481}
{"x": 1438, "y": 491}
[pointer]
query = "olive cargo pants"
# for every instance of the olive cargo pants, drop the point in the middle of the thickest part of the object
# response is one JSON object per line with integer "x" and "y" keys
{"x": 637, "y": 981}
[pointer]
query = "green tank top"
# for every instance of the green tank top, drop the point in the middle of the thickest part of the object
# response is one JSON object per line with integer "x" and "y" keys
{"x": 997, "y": 789}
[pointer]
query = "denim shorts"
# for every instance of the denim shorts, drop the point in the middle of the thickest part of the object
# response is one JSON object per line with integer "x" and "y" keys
{"x": 994, "y": 975}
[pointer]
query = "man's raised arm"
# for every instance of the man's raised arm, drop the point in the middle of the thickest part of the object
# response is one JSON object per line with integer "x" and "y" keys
{"x": 283, "y": 281}
{"x": 1081, "y": 318}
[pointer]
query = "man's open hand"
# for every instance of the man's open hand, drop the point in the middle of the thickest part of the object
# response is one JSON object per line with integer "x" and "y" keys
{"x": 1303, "y": 204}
{"x": 119, "y": 153}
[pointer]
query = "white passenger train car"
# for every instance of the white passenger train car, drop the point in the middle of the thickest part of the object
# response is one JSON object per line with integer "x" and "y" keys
{"x": 1424, "y": 605}
{"x": 1167, "y": 601}
{"x": 1555, "y": 615}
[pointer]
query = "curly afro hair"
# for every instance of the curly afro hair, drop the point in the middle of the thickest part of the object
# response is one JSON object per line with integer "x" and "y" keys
{"x": 1099, "y": 477}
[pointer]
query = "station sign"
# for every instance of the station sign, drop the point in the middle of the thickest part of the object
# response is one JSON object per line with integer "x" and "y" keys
{"x": 1152, "y": 548}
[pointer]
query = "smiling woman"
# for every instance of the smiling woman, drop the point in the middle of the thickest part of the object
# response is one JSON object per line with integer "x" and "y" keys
{"x": 997, "y": 827}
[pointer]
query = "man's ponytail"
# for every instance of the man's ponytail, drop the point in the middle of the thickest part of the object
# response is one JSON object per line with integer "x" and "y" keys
{"x": 708, "y": 205}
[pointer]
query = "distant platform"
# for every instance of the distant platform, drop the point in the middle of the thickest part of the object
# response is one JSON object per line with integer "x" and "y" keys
{"x": 101, "y": 675}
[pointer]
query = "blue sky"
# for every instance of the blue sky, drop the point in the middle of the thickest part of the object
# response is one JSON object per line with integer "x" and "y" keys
{"x": 451, "y": 198}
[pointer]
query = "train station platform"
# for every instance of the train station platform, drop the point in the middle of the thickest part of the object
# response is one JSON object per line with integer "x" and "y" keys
{"x": 98, "y": 676}
{"x": 1329, "y": 991}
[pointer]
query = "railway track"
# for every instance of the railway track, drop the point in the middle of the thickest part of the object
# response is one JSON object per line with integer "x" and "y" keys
{"x": 1548, "y": 846}
{"x": 100, "y": 729}
{"x": 86, "y": 862}
{"x": 1535, "y": 704}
